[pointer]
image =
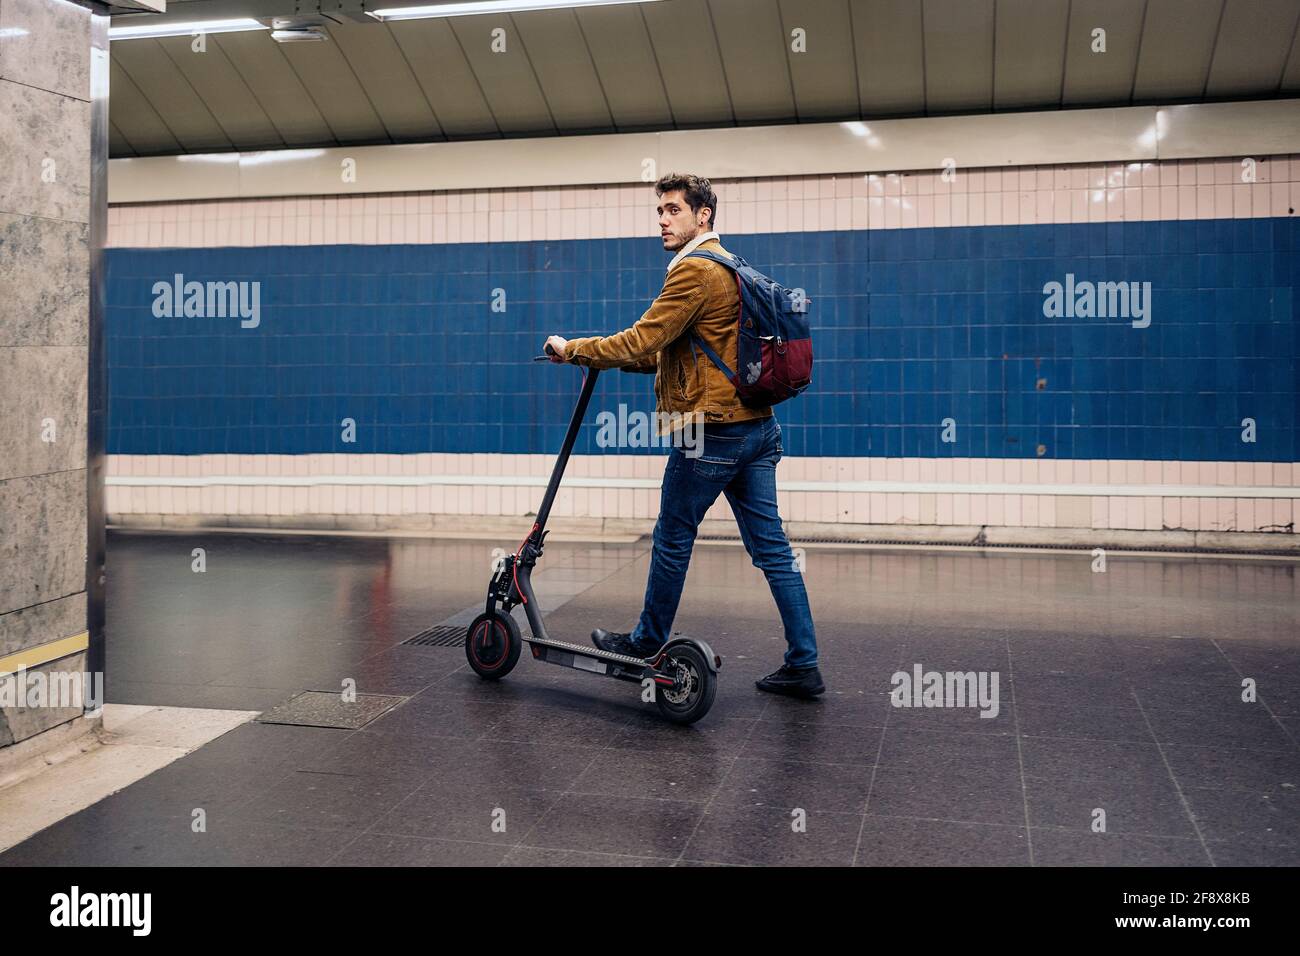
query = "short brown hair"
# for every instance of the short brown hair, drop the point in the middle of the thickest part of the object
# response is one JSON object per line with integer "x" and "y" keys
{"x": 697, "y": 190}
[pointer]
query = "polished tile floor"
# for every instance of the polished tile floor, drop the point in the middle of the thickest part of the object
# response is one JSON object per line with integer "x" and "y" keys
{"x": 1121, "y": 736}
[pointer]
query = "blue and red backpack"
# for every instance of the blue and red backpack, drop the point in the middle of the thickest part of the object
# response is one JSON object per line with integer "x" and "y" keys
{"x": 774, "y": 343}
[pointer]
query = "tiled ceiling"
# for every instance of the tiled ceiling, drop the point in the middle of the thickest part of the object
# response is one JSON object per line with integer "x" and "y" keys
{"x": 679, "y": 64}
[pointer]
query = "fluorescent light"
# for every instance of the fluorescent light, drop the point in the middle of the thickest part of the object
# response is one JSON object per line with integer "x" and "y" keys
{"x": 471, "y": 7}
{"x": 299, "y": 35}
{"x": 188, "y": 28}
{"x": 278, "y": 156}
{"x": 857, "y": 129}
{"x": 251, "y": 159}
{"x": 207, "y": 158}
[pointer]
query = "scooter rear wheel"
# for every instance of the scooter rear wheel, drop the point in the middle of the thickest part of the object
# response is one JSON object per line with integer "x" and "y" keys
{"x": 691, "y": 698}
{"x": 492, "y": 645}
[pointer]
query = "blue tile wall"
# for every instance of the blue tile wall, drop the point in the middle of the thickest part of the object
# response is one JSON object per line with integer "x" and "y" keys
{"x": 910, "y": 327}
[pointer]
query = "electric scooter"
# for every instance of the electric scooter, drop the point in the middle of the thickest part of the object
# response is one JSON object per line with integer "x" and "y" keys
{"x": 682, "y": 675}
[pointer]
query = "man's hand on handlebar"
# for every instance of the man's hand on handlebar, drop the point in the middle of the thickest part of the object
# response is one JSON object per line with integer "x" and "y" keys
{"x": 554, "y": 347}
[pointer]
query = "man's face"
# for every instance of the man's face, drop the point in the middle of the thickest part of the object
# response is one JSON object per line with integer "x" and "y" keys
{"x": 678, "y": 224}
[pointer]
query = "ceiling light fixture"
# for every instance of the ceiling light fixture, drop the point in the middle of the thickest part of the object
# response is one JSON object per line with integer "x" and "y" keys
{"x": 278, "y": 156}
{"x": 306, "y": 29}
{"x": 188, "y": 28}
{"x": 304, "y": 35}
{"x": 473, "y": 7}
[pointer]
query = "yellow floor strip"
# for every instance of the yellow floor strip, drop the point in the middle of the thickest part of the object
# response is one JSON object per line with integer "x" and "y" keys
{"x": 44, "y": 653}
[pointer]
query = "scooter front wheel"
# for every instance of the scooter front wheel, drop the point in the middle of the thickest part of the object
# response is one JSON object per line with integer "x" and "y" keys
{"x": 492, "y": 645}
{"x": 693, "y": 688}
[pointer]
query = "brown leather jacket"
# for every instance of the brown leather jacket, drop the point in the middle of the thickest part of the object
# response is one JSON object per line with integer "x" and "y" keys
{"x": 698, "y": 296}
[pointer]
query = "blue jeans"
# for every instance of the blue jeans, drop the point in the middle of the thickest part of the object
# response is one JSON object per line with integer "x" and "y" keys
{"x": 738, "y": 459}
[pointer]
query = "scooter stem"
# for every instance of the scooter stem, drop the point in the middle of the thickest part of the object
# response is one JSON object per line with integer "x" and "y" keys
{"x": 579, "y": 413}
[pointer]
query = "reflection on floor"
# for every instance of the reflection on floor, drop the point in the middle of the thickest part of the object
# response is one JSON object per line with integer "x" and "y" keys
{"x": 1121, "y": 735}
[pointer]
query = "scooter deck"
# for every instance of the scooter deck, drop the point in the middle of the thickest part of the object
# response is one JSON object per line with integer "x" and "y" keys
{"x": 588, "y": 651}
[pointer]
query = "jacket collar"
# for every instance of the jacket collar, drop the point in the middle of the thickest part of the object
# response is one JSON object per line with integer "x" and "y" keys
{"x": 691, "y": 246}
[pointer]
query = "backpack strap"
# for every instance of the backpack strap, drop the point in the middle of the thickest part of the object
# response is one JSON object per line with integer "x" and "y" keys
{"x": 713, "y": 356}
{"x": 717, "y": 257}
{"x": 695, "y": 339}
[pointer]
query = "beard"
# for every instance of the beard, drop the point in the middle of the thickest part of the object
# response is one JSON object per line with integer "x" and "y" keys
{"x": 675, "y": 240}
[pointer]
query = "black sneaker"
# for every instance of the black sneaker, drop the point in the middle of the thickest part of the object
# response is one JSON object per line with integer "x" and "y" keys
{"x": 801, "y": 682}
{"x": 618, "y": 643}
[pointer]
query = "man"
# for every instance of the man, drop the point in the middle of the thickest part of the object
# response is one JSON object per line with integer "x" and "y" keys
{"x": 741, "y": 445}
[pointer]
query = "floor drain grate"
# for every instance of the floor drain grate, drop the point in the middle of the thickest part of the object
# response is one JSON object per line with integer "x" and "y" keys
{"x": 315, "y": 708}
{"x": 441, "y": 635}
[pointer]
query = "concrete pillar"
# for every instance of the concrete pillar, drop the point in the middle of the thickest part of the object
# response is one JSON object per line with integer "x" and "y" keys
{"x": 53, "y": 156}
